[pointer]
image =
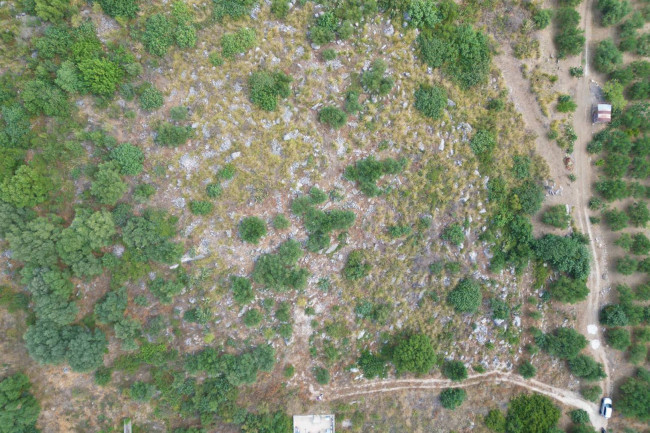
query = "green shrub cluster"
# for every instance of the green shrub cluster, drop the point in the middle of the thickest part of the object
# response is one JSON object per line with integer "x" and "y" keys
{"x": 332, "y": 116}
{"x": 466, "y": 297}
{"x": 252, "y": 229}
{"x": 375, "y": 81}
{"x": 170, "y": 135}
{"x": 557, "y": 216}
{"x": 279, "y": 271}
{"x": 237, "y": 43}
{"x": 356, "y": 266}
{"x": 414, "y": 354}
{"x": 161, "y": 31}
{"x": 369, "y": 170}
{"x": 451, "y": 398}
{"x": 266, "y": 87}
{"x": 431, "y": 100}
{"x": 569, "y": 39}
{"x": 18, "y": 406}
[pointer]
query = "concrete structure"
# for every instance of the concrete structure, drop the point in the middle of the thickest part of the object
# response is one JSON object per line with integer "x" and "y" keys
{"x": 602, "y": 113}
{"x": 313, "y": 424}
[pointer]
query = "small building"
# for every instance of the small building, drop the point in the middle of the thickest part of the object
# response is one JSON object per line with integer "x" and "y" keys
{"x": 313, "y": 424}
{"x": 602, "y": 113}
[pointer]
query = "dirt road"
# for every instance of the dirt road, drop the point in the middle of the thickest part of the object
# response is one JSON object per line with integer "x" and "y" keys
{"x": 391, "y": 385}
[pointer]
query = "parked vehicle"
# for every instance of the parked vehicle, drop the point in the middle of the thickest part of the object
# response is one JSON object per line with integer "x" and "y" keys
{"x": 606, "y": 407}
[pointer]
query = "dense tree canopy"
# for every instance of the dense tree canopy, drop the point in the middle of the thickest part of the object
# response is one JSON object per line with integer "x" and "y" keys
{"x": 19, "y": 409}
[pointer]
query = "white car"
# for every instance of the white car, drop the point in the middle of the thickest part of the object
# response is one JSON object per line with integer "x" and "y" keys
{"x": 606, "y": 407}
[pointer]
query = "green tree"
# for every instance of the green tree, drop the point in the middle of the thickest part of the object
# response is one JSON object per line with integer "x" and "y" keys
{"x": 100, "y": 76}
{"x": 19, "y": 409}
{"x": 414, "y": 354}
{"x": 613, "y": 91}
{"x": 618, "y": 338}
{"x": 68, "y": 77}
{"x": 564, "y": 343}
{"x": 531, "y": 414}
{"x": 495, "y": 421}
{"x": 266, "y": 87}
{"x": 585, "y": 367}
{"x": 356, "y": 267}
{"x": 466, "y": 297}
{"x": 565, "y": 254}
{"x": 88, "y": 233}
{"x": 52, "y": 10}
{"x": 527, "y": 370}
{"x": 86, "y": 348}
{"x": 42, "y": 98}
{"x": 35, "y": 242}
{"x": 375, "y": 81}
{"x": 431, "y": 100}
{"x": 120, "y": 8}
{"x": 170, "y": 135}
{"x": 626, "y": 265}
{"x": 372, "y": 365}
{"x": 530, "y": 195}
{"x": 569, "y": 290}
{"x": 542, "y": 18}
{"x": 129, "y": 158}
{"x": 108, "y": 186}
{"x": 451, "y": 398}
{"x": 111, "y": 307}
{"x": 28, "y": 187}
{"x": 634, "y": 396}
{"x": 607, "y": 57}
{"x": 164, "y": 289}
{"x": 157, "y": 36}
{"x": 252, "y": 229}
{"x": 454, "y": 370}
{"x": 639, "y": 214}
{"x": 640, "y": 244}
{"x": 579, "y": 416}
{"x": 151, "y": 98}
{"x": 617, "y": 220}
{"x": 569, "y": 42}
{"x": 613, "y": 11}
{"x": 46, "y": 342}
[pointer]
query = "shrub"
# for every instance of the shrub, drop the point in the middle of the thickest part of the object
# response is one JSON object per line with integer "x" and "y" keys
{"x": 613, "y": 11}
{"x": 322, "y": 375}
{"x": 151, "y": 98}
{"x": 530, "y": 195}
{"x": 374, "y": 80}
{"x": 157, "y": 36}
{"x": 556, "y": 216}
{"x": 281, "y": 222}
{"x": 129, "y": 158}
{"x": 414, "y": 354}
{"x": 107, "y": 187}
{"x": 565, "y": 104}
{"x": 570, "y": 41}
{"x": 251, "y": 229}
{"x": 565, "y": 254}
{"x": 495, "y": 421}
{"x": 542, "y": 18}
{"x": 569, "y": 290}
{"x": 637, "y": 354}
{"x": 371, "y": 365}
{"x": 356, "y": 267}
{"x": 178, "y": 114}
{"x": 454, "y": 370}
{"x": 235, "y": 9}
{"x": 100, "y": 76}
{"x": 237, "y": 43}
{"x": 466, "y": 297}
{"x": 252, "y": 318}
{"x": 328, "y": 54}
{"x": 607, "y": 57}
{"x": 227, "y": 172}
{"x": 279, "y": 271}
{"x": 242, "y": 290}
{"x": 369, "y": 170}
{"x": 626, "y": 265}
{"x": 639, "y": 214}
{"x": 564, "y": 343}
{"x": 142, "y": 391}
{"x": 112, "y": 306}
{"x": 613, "y": 315}
{"x": 199, "y": 207}
{"x": 280, "y": 8}
{"x": 451, "y": 398}
{"x": 215, "y": 59}
{"x": 265, "y": 88}
{"x": 531, "y": 414}
{"x": 618, "y": 338}
{"x": 18, "y": 406}
{"x": 579, "y": 416}
{"x": 143, "y": 192}
{"x": 591, "y": 393}
{"x": 617, "y": 220}
{"x": 164, "y": 290}
{"x": 453, "y": 234}
{"x": 587, "y": 368}
{"x": 332, "y": 116}
{"x": 170, "y": 135}
{"x": 103, "y": 376}
{"x": 430, "y": 100}
{"x": 500, "y": 309}
{"x": 527, "y": 370}
{"x": 214, "y": 190}
{"x": 634, "y": 396}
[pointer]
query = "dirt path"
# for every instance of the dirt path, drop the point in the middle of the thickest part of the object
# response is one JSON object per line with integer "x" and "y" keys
{"x": 383, "y": 386}
{"x": 588, "y": 318}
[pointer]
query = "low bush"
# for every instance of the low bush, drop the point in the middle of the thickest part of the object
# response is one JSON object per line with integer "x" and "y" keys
{"x": 527, "y": 370}
{"x": 375, "y": 81}
{"x": 453, "y": 234}
{"x": 565, "y": 104}
{"x": 332, "y": 116}
{"x": 356, "y": 267}
{"x": 237, "y": 43}
{"x": 279, "y": 271}
{"x": 252, "y": 229}
{"x": 170, "y": 135}
{"x": 431, "y": 100}
{"x": 618, "y": 338}
{"x": 252, "y": 318}
{"x": 266, "y": 87}
{"x": 369, "y": 170}
{"x": 579, "y": 416}
{"x": 454, "y": 370}
{"x": 199, "y": 207}
{"x": 495, "y": 421}
{"x": 466, "y": 297}
{"x": 451, "y": 398}
{"x": 322, "y": 375}
{"x": 557, "y": 216}
{"x": 242, "y": 290}
{"x": 414, "y": 354}
{"x": 151, "y": 98}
